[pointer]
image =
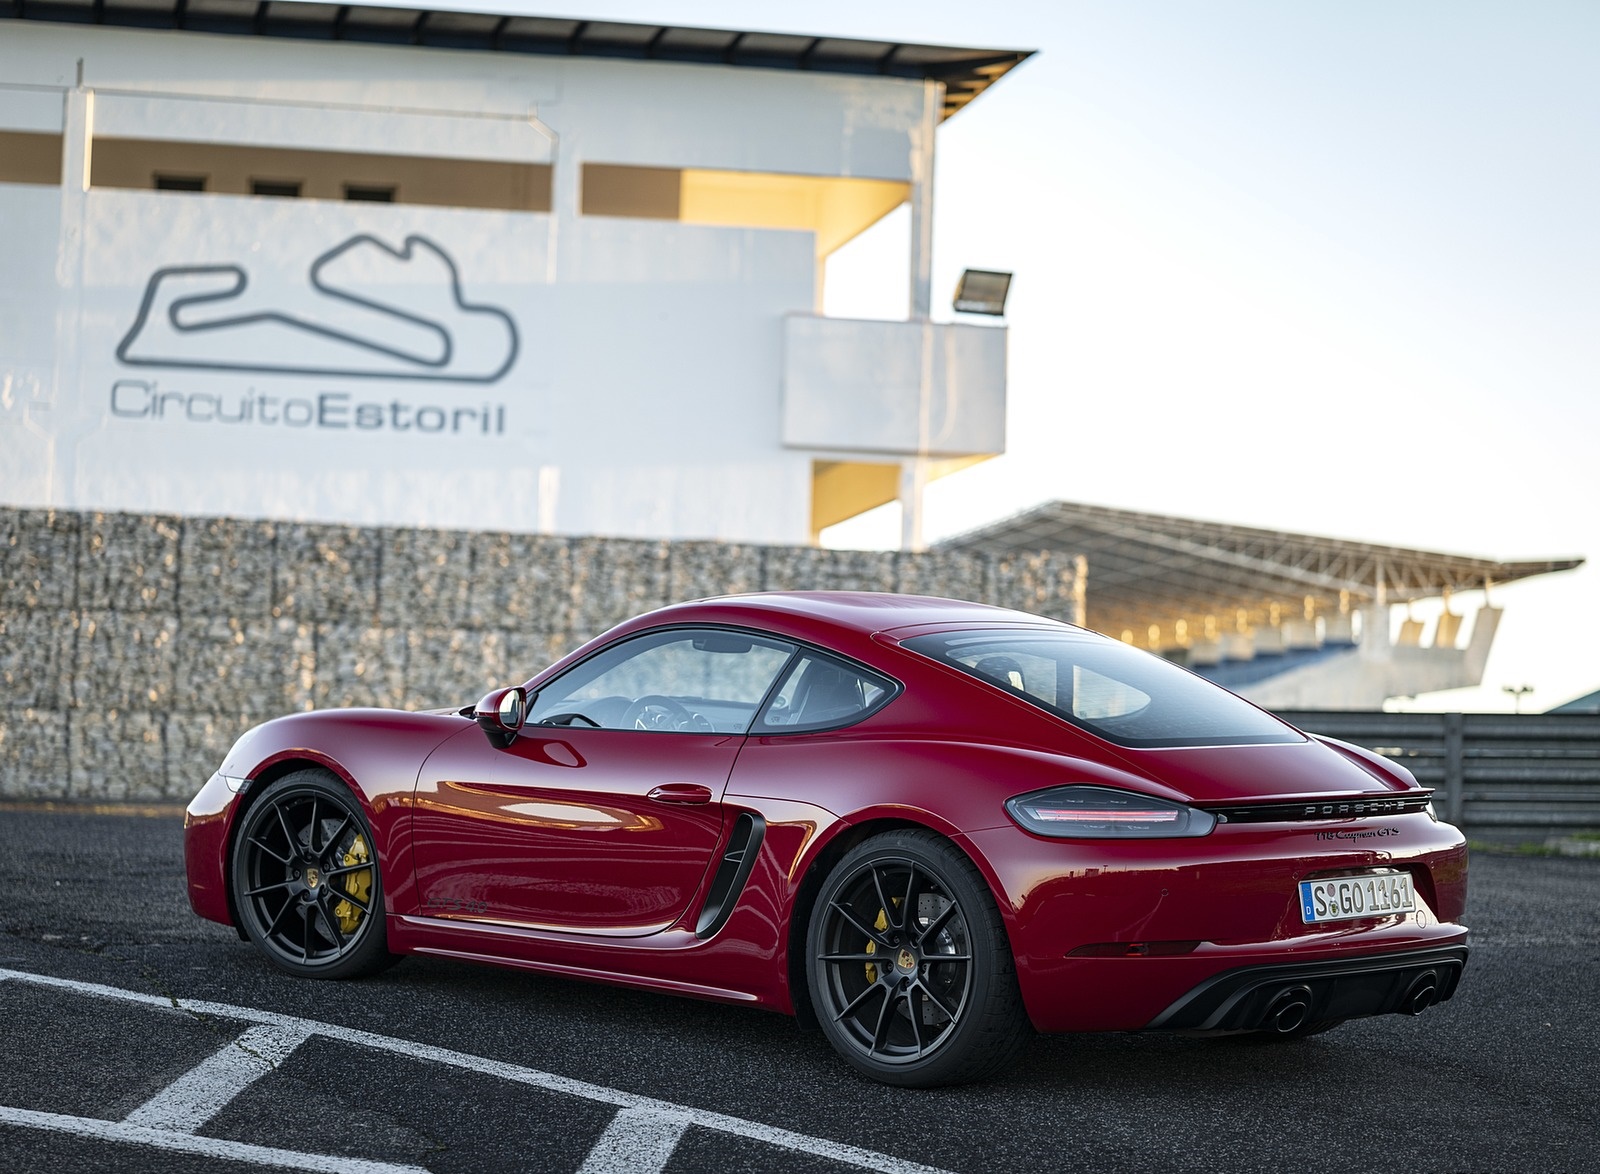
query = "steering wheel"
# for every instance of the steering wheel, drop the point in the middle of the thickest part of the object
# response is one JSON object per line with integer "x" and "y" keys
{"x": 570, "y": 718}
{"x": 656, "y": 711}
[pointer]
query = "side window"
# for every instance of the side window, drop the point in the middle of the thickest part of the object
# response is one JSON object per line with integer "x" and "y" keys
{"x": 703, "y": 681}
{"x": 820, "y": 693}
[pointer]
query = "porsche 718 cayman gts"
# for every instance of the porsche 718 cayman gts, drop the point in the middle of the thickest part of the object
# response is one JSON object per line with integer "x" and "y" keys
{"x": 924, "y": 826}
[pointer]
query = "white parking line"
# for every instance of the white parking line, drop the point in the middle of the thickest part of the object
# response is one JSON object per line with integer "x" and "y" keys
{"x": 658, "y": 1112}
{"x": 201, "y": 1093}
{"x": 636, "y": 1139}
{"x": 188, "y": 1143}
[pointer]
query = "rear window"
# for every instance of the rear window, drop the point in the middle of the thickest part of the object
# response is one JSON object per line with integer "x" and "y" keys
{"x": 1108, "y": 688}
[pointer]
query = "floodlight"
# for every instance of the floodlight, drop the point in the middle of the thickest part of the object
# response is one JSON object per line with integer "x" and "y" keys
{"x": 982, "y": 291}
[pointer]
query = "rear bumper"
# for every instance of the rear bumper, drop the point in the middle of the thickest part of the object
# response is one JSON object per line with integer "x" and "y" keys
{"x": 1111, "y": 936}
{"x": 1284, "y": 997}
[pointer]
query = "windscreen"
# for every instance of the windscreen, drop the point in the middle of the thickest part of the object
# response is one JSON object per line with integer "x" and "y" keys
{"x": 1106, "y": 687}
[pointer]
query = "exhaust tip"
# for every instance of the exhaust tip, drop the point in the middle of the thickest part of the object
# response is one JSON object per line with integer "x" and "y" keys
{"x": 1289, "y": 1011}
{"x": 1421, "y": 994}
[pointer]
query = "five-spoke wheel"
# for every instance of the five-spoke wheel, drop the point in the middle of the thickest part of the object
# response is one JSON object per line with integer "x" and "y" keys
{"x": 306, "y": 884}
{"x": 911, "y": 976}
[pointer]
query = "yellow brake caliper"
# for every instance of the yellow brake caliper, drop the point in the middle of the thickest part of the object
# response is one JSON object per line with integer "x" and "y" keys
{"x": 357, "y": 884}
{"x": 872, "y": 947}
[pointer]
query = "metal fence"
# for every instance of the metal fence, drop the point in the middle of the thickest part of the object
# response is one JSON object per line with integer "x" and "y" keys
{"x": 1497, "y": 774}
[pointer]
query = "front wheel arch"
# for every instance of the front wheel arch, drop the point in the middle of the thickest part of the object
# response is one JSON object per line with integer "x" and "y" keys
{"x": 263, "y": 778}
{"x": 293, "y": 873}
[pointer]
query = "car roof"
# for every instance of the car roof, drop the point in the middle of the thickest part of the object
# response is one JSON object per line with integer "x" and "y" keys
{"x": 865, "y": 612}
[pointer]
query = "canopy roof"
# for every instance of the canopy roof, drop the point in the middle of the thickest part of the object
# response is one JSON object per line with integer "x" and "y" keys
{"x": 1588, "y": 703}
{"x": 966, "y": 73}
{"x": 1154, "y": 569}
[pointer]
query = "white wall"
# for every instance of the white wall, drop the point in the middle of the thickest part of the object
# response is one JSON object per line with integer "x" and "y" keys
{"x": 30, "y": 302}
{"x": 643, "y": 397}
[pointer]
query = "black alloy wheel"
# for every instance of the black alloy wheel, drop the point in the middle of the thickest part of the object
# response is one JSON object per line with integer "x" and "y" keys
{"x": 911, "y": 975}
{"x": 306, "y": 883}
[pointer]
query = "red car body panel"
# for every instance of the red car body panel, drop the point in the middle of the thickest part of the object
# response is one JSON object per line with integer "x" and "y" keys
{"x": 514, "y": 834}
{"x": 377, "y": 752}
{"x": 744, "y": 962}
{"x": 552, "y": 854}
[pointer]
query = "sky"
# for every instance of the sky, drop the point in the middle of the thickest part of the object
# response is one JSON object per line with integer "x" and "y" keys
{"x": 1331, "y": 267}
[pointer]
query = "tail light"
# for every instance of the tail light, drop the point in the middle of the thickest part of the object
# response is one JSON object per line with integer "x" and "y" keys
{"x": 1103, "y": 813}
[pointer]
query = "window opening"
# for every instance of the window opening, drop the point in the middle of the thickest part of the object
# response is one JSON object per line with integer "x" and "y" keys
{"x": 822, "y": 693}
{"x": 693, "y": 681}
{"x": 1104, "y": 686}
{"x": 368, "y": 193}
{"x": 180, "y": 183}
{"x": 286, "y": 189}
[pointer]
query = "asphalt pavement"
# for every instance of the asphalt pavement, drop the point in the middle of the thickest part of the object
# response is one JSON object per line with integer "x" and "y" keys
{"x": 137, "y": 1037}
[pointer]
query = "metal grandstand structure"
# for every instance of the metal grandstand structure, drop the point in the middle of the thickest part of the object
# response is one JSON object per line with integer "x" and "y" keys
{"x": 1154, "y": 570}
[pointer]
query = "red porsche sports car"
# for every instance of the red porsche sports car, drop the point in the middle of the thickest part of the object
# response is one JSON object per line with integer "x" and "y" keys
{"x": 921, "y": 825}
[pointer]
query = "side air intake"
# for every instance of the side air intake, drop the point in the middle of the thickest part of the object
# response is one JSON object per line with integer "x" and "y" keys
{"x": 737, "y": 861}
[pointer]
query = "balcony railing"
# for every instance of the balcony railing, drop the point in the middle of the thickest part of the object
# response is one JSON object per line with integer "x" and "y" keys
{"x": 894, "y": 388}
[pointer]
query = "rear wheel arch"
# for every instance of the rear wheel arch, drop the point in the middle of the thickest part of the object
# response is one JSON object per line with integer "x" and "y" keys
{"x": 929, "y": 995}
{"x": 822, "y": 864}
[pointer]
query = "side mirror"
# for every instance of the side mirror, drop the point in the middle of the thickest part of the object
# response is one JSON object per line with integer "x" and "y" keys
{"x": 500, "y": 715}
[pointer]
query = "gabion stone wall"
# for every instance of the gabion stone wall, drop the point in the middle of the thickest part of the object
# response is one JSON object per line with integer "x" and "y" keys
{"x": 135, "y": 649}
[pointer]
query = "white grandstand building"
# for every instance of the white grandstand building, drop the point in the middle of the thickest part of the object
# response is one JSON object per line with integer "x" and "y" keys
{"x": 403, "y": 266}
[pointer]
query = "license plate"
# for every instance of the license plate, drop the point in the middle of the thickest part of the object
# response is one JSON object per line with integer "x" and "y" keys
{"x": 1345, "y": 898}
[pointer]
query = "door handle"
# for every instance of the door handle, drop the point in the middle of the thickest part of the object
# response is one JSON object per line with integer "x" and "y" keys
{"x": 681, "y": 793}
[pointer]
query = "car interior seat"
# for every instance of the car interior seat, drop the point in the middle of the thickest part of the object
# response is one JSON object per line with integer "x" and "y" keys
{"x": 826, "y": 693}
{"x": 1002, "y": 670}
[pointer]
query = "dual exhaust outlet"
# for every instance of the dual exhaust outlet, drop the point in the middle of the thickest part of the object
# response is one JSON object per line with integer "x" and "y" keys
{"x": 1288, "y": 1011}
{"x": 1290, "y": 1008}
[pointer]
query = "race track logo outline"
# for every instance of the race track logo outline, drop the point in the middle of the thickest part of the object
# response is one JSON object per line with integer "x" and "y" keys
{"x": 371, "y": 319}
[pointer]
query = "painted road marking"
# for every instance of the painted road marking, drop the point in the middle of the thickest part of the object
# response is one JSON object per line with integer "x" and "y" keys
{"x": 658, "y": 1112}
{"x": 205, "y": 1090}
{"x": 636, "y": 1139}
{"x": 189, "y": 1143}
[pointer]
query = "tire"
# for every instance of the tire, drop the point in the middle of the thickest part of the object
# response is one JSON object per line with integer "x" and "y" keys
{"x": 305, "y": 879}
{"x": 908, "y": 965}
